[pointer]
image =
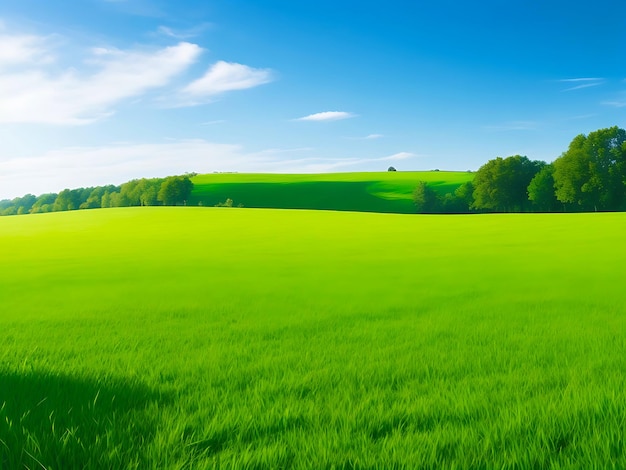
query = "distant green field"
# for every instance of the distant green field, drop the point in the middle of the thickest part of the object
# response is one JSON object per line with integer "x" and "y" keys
{"x": 239, "y": 338}
{"x": 366, "y": 192}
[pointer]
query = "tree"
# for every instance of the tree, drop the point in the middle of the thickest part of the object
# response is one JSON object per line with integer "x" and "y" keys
{"x": 130, "y": 194}
{"x": 63, "y": 202}
{"x": 541, "y": 190}
{"x": 149, "y": 191}
{"x": 175, "y": 190}
{"x": 464, "y": 194}
{"x": 591, "y": 174}
{"x": 391, "y": 169}
{"x": 426, "y": 199}
{"x": 94, "y": 199}
{"x": 70, "y": 199}
{"x": 105, "y": 200}
{"x": 24, "y": 204}
{"x": 501, "y": 184}
{"x": 43, "y": 203}
{"x": 115, "y": 200}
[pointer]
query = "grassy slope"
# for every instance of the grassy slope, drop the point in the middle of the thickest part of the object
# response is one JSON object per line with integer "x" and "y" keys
{"x": 242, "y": 338}
{"x": 368, "y": 192}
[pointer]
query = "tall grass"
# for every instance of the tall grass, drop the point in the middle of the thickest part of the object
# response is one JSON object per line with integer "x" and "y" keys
{"x": 238, "y": 338}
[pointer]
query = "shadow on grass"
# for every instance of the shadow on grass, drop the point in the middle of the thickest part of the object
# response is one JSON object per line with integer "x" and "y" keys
{"x": 319, "y": 195}
{"x": 59, "y": 422}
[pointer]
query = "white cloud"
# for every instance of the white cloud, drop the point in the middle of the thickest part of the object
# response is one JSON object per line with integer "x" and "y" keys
{"x": 585, "y": 82}
{"x": 168, "y": 32}
{"x": 35, "y": 95}
{"x": 374, "y": 136}
{"x": 584, "y": 79}
{"x": 399, "y": 156}
{"x": 616, "y": 103}
{"x": 112, "y": 164}
{"x": 23, "y": 49}
{"x": 513, "y": 126}
{"x": 584, "y": 85}
{"x": 327, "y": 116}
{"x": 227, "y": 76}
{"x": 184, "y": 34}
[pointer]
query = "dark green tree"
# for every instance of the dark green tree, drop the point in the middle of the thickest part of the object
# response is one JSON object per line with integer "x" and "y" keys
{"x": 500, "y": 185}
{"x": 94, "y": 199}
{"x": 149, "y": 191}
{"x": 105, "y": 200}
{"x": 130, "y": 193}
{"x": 43, "y": 203}
{"x": 24, "y": 204}
{"x": 591, "y": 174}
{"x": 175, "y": 190}
{"x": 426, "y": 199}
{"x": 64, "y": 202}
{"x": 541, "y": 191}
{"x": 464, "y": 194}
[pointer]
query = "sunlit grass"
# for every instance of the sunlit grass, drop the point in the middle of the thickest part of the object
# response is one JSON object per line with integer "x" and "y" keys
{"x": 239, "y": 338}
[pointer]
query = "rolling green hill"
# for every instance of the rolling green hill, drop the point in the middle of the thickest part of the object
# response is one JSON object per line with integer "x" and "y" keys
{"x": 365, "y": 192}
{"x": 163, "y": 337}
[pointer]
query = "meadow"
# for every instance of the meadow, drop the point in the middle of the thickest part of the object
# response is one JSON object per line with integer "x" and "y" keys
{"x": 201, "y": 338}
{"x": 389, "y": 191}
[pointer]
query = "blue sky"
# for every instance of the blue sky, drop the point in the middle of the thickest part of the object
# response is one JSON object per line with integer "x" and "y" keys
{"x": 102, "y": 91}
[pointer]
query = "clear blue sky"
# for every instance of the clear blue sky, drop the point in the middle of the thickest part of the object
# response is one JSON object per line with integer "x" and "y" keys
{"x": 103, "y": 91}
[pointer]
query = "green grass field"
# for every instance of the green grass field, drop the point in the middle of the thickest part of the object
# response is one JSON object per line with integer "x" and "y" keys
{"x": 368, "y": 192}
{"x": 241, "y": 338}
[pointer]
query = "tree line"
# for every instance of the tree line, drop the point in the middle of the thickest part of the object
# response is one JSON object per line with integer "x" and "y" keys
{"x": 589, "y": 176}
{"x": 170, "y": 191}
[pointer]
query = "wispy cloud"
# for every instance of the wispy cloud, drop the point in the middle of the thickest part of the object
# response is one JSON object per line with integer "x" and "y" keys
{"x": 78, "y": 95}
{"x": 322, "y": 165}
{"x": 367, "y": 137}
{"x": 618, "y": 101}
{"x": 513, "y": 126}
{"x": 24, "y": 49}
{"x": 580, "y": 83}
{"x": 583, "y": 79}
{"x": 580, "y": 117}
{"x": 327, "y": 116}
{"x": 615, "y": 103}
{"x": 34, "y": 88}
{"x": 399, "y": 156}
{"x": 227, "y": 76}
{"x": 184, "y": 34}
{"x": 88, "y": 166}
